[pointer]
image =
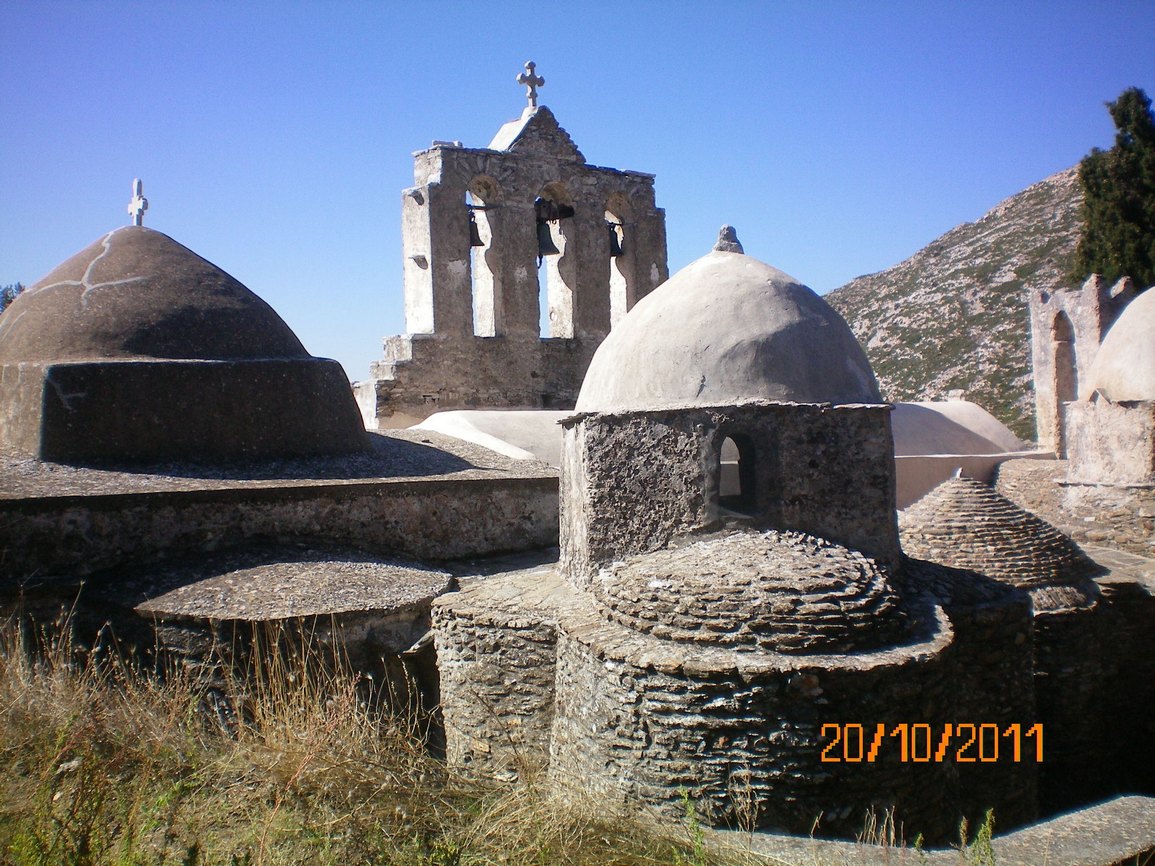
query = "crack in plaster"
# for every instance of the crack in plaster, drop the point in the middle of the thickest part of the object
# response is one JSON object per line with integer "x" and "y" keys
{"x": 86, "y": 280}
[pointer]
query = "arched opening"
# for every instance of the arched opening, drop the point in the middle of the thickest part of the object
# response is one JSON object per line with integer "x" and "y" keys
{"x": 737, "y": 474}
{"x": 481, "y": 199}
{"x": 1066, "y": 376}
{"x": 1066, "y": 363}
{"x": 621, "y": 260}
{"x": 554, "y": 211}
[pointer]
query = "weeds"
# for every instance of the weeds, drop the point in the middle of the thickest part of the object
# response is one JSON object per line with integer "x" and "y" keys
{"x": 979, "y": 852}
{"x": 697, "y": 836}
{"x": 291, "y": 763}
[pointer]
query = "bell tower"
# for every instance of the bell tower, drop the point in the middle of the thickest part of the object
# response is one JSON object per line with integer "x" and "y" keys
{"x": 518, "y": 258}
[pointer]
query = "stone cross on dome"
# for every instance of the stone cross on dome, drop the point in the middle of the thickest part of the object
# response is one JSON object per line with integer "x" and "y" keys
{"x": 532, "y": 82}
{"x": 139, "y": 203}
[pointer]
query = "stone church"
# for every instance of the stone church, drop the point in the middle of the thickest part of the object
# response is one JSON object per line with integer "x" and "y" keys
{"x": 737, "y": 610}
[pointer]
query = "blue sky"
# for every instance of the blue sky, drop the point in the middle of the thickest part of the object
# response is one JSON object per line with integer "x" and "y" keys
{"x": 274, "y": 138}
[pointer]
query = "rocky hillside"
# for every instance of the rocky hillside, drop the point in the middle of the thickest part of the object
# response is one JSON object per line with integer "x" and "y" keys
{"x": 953, "y": 317}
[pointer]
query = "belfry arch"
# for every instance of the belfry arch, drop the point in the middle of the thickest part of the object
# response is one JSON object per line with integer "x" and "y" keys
{"x": 483, "y": 201}
{"x": 621, "y": 260}
{"x": 554, "y": 215}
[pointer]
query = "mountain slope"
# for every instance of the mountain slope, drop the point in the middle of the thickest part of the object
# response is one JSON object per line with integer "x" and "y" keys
{"x": 954, "y": 315}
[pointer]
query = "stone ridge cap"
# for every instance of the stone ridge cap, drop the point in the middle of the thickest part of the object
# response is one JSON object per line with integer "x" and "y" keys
{"x": 570, "y": 420}
{"x": 526, "y": 156}
{"x": 211, "y": 488}
{"x": 266, "y": 588}
{"x": 175, "y": 614}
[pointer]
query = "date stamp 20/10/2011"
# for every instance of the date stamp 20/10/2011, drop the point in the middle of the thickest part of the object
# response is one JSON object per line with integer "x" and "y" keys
{"x": 961, "y": 743}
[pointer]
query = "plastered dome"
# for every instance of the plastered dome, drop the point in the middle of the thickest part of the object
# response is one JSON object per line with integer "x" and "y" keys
{"x": 137, "y": 350}
{"x": 724, "y": 329}
{"x": 1124, "y": 367}
{"x": 137, "y": 293}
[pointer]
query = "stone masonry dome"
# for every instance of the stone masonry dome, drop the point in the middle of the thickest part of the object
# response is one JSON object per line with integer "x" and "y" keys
{"x": 786, "y": 592}
{"x": 965, "y": 524}
{"x": 137, "y": 293}
{"x": 136, "y": 350}
{"x": 724, "y": 329}
{"x": 1124, "y": 368}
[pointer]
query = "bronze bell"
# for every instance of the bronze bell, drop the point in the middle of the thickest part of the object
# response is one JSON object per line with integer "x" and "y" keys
{"x": 545, "y": 244}
{"x": 474, "y": 235}
{"x": 615, "y": 241}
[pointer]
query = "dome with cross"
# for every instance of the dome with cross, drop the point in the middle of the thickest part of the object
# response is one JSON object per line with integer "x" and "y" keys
{"x": 725, "y": 329}
{"x": 137, "y": 293}
{"x": 137, "y": 350}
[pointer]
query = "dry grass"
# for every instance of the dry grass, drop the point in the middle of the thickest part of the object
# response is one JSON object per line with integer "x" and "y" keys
{"x": 102, "y": 764}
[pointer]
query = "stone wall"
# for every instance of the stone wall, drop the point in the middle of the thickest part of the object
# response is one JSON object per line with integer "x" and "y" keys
{"x": 1127, "y": 698}
{"x": 1111, "y": 443}
{"x": 426, "y": 373}
{"x": 1035, "y": 485}
{"x": 826, "y": 470}
{"x": 150, "y": 411}
{"x": 1121, "y": 517}
{"x": 991, "y": 681}
{"x": 63, "y": 537}
{"x": 1070, "y": 676}
{"x": 638, "y": 719}
{"x": 496, "y": 652}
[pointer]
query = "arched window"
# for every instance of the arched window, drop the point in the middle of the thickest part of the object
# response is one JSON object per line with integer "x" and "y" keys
{"x": 557, "y": 272}
{"x": 737, "y": 474}
{"x": 481, "y": 199}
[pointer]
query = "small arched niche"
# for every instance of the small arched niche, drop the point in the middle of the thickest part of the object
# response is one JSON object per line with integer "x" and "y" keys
{"x": 481, "y": 200}
{"x": 736, "y": 474}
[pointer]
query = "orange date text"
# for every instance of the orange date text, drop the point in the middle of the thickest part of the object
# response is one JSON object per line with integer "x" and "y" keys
{"x": 960, "y": 743}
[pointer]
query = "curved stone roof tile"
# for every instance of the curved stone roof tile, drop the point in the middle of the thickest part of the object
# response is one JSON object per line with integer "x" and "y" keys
{"x": 779, "y": 591}
{"x": 965, "y": 524}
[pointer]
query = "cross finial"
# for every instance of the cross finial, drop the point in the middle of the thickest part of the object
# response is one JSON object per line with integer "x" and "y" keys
{"x": 139, "y": 203}
{"x": 728, "y": 241}
{"x": 532, "y": 82}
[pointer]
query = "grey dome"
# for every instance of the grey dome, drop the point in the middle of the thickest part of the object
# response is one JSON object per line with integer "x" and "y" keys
{"x": 1124, "y": 367}
{"x": 136, "y": 351}
{"x": 136, "y": 293}
{"x": 724, "y": 329}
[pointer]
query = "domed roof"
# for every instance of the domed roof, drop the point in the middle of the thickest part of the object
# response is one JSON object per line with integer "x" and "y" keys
{"x": 137, "y": 293}
{"x": 138, "y": 351}
{"x": 785, "y": 592}
{"x": 725, "y": 329}
{"x": 1124, "y": 367}
{"x": 965, "y": 524}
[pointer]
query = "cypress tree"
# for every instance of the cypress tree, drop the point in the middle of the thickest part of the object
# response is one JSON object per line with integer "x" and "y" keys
{"x": 1119, "y": 198}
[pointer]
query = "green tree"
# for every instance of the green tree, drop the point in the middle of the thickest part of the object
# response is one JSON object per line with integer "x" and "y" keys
{"x": 1119, "y": 197}
{"x": 8, "y": 294}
